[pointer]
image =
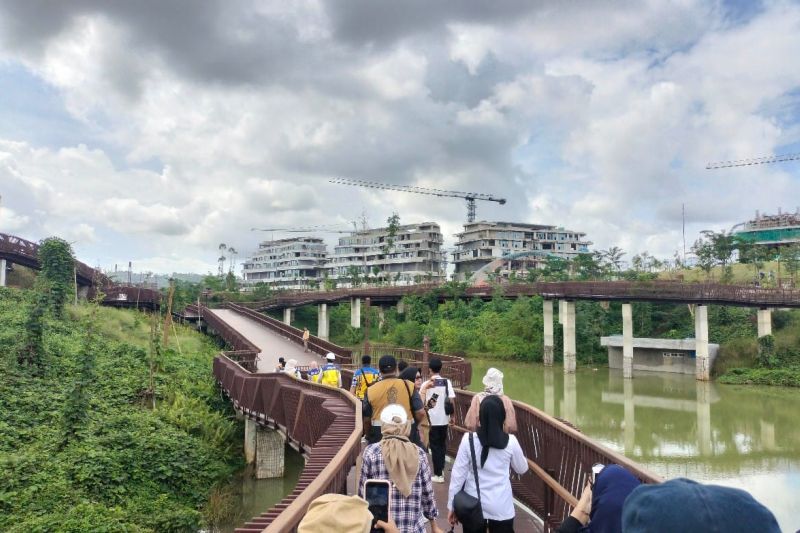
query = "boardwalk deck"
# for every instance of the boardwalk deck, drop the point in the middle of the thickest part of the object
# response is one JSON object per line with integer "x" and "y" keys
{"x": 272, "y": 345}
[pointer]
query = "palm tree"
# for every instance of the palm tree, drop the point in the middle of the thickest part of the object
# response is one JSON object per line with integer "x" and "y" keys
{"x": 614, "y": 257}
{"x": 233, "y": 253}
{"x": 222, "y": 247}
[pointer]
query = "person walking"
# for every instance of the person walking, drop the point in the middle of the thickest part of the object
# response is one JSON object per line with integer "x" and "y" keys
{"x": 414, "y": 375}
{"x": 492, "y": 385}
{"x": 436, "y": 393}
{"x": 306, "y": 336}
{"x": 396, "y": 459}
{"x": 330, "y": 374}
{"x": 364, "y": 377}
{"x": 390, "y": 390}
{"x": 494, "y": 451}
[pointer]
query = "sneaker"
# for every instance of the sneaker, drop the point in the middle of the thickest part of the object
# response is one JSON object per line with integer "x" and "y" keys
{"x": 437, "y": 479}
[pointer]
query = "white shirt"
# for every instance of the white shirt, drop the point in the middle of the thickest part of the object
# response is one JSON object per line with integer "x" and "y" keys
{"x": 496, "y": 496}
{"x": 437, "y": 416}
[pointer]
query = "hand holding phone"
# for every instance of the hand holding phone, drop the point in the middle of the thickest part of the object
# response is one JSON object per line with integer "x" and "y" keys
{"x": 432, "y": 400}
{"x": 376, "y": 492}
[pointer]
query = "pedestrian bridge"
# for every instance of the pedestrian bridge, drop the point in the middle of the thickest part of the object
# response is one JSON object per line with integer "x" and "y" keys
{"x": 325, "y": 424}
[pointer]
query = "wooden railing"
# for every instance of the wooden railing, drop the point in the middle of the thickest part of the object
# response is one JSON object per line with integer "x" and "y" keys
{"x": 651, "y": 291}
{"x": 324, "y": 421}
{"x": 457, "y": 369}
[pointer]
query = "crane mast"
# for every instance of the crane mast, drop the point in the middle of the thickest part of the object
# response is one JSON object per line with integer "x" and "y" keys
{"x": 470, "y": 197}
{"x": 753, "y": 161}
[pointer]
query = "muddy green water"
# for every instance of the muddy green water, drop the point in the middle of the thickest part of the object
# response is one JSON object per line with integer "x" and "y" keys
{"x": 256, "y": 496}
{"x": 740, "y": 436}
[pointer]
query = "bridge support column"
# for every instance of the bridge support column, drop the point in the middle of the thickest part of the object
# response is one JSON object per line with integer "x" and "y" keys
{"x": 627, "y": 340}
{"x": 401, "y": 307}
{"x": 569, "y": 337}
{"x": 323, "y": 322}
{"x": 270, "y": 452}
{"x": 83, "y": 292}
{"x": 287, "y": 316}
{"x": 3, "y": 267}
{"x": 561, "y": 312}
{"x": 381, "y": 316}
{"x": 764, "y": 322}
{"x": 547, "y": 312}
{"x": 701, "y": 342}
{"x": 355, "y": 312}
{"x": 250, "y": 430}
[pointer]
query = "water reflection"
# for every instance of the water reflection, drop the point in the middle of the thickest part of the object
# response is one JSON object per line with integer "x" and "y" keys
{"x": 675, "y": 425}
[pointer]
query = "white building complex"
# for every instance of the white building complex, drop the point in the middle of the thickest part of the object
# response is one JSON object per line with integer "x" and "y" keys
{"x": 292, "y": 263}
{"x": 513, "y": 247}
{"x": 415, "y": 256}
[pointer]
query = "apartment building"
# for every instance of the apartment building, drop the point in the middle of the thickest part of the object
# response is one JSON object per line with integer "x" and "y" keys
{"x": 525, "y": 245}
{"x": 291, "y": 263}
{"x": 415, "y": 256}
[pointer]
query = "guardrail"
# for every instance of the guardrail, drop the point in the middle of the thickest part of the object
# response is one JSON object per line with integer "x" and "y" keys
{"x": 325, "y": 421}
{"x": 651, "y": 291}
{"x": 457, "y": 369}
{"x": 244, "y": 352}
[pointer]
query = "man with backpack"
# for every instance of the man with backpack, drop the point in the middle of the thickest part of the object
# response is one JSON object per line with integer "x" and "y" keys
{"x": 390, "y": 390}
{"x": 364, "y": 377}
{"x": 438, "y": 395}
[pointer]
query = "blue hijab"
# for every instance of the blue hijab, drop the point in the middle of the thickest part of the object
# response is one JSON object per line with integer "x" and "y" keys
{"x": 612, "y": 486}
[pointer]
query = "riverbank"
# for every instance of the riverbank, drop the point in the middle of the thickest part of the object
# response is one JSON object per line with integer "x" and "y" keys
{"x": 83, "y": 446}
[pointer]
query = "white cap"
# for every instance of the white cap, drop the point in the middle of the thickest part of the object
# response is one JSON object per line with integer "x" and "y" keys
{"x": 394, "y": 414}
{"x": 331, "y": 356}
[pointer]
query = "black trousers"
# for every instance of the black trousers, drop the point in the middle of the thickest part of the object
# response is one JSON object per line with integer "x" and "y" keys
{"x": 500, "y": 526}
{"x": 438, "y": 442}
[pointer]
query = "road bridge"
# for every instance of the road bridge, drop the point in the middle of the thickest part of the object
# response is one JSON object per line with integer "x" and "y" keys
{"x": 325, "y": 425}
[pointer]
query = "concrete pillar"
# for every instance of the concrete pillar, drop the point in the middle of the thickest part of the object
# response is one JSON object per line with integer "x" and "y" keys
{"x": 547, "y": 313}
{"x": 569, "y": 337}
{"x": 250, "y": 429}
{"x": 355, "y": 312}
{"x": 764, "y": 322}
{"x": 549, "y": 392}
{"x": 630, "y": 417}
{"x": 561, "y": 312}
{"x": 401, "y": 307}
{"x": 627, "y": 341}
{"x": 323, "y": 322}
{"x": 287, "y": 316}
{"x": 3, "y": 267}
{"x": 704, "y": 417}
{"x": 270, "y": 451}
{"x": 569, "y": 410}
{"x": 701, "y": 342}
{"x": 83, "y": 292}
{"x": 381, "y": 316}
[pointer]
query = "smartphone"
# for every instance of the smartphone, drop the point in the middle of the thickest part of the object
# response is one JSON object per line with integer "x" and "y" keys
{"x": 376, "y": 492}
{"x": 432, "y": 400}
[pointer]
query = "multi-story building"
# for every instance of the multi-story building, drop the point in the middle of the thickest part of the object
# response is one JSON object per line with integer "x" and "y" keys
{"x": 416, "y": 255}
{"x": 771, "y": 230}
{"x": 523, "y": 245}
{"x": 292, "y": 263}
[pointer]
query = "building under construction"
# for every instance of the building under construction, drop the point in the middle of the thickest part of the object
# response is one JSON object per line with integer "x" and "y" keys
{"x": 771, "y": 230}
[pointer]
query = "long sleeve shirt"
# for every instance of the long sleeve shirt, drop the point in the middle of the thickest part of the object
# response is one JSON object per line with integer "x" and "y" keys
{"x": 412, "y": 513}
{"x": 496, "y": 496}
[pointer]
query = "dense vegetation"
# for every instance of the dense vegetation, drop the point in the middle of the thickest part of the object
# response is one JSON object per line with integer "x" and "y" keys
{"x": 81, "y": 446}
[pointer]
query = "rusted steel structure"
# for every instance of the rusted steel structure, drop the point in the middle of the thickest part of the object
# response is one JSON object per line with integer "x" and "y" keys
{"x": 623, "y": 291}
{"x": 326, "y": 424}
{"x": 26, "y": 253}
{"x": 23, "y": 252}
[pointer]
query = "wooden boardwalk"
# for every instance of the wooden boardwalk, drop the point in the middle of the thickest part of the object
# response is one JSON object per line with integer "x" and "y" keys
{"x": 272, "y": 345}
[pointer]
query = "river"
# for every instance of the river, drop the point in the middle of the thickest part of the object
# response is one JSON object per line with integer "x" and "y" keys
{"x": 740, "y": 436}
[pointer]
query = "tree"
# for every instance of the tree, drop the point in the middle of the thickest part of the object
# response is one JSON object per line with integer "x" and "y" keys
{"x": 704, "y": 252}
{"x": 58, "y": 271}
{"x": 232, "y": 254}
{"x": 586, "y": 267}
{"x": 221, "y": 260}
{"x": 393, "y": 227}
{"x": 354, "y": 275}
{"x": 614, "y": 257}
{"x": 230, "y": 282}
{"x": 721, "y": 246}
{"x": 791, "y": 260}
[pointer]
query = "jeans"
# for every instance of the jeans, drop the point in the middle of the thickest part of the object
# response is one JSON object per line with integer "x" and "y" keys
{"x": 438, "y": 442}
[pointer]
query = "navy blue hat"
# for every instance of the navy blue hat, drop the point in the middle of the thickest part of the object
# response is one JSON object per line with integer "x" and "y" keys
{"x": 685, "y": 505}
{"x": 387, "y": 363}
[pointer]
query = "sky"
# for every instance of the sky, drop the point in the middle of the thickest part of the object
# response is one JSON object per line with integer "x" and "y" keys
{"x": 153, "y": 131}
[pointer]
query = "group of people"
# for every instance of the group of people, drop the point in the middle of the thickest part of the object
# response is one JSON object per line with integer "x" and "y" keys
{"x": 329, "y": 374}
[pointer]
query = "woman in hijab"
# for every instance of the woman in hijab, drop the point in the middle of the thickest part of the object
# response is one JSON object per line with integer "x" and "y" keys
{"x": 291, "y": 369}
{"x": 600, "y": 509}
{"x": 405, "y": 464}
{"x": 495, "y": 452}
{"x": 414, "y": 375}
{"x": 493, "y": 385}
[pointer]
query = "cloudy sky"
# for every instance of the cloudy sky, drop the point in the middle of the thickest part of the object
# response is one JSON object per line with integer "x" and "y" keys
{"x": 154, "y": 130}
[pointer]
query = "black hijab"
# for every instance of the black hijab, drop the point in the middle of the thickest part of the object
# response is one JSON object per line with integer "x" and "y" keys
{"x": 490, "y": 432}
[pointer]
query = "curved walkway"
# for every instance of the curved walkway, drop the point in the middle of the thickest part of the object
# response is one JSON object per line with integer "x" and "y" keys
{"x": 271, "y": 345}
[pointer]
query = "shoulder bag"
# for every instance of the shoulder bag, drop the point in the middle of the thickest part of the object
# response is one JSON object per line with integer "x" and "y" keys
{"x": 467, "y": 507}
{"x": 449, "y": 408}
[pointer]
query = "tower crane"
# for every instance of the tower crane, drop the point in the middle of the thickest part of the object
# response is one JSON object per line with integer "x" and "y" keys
{"x": 753, "y": 161}
{"x": 470, "y": 197}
